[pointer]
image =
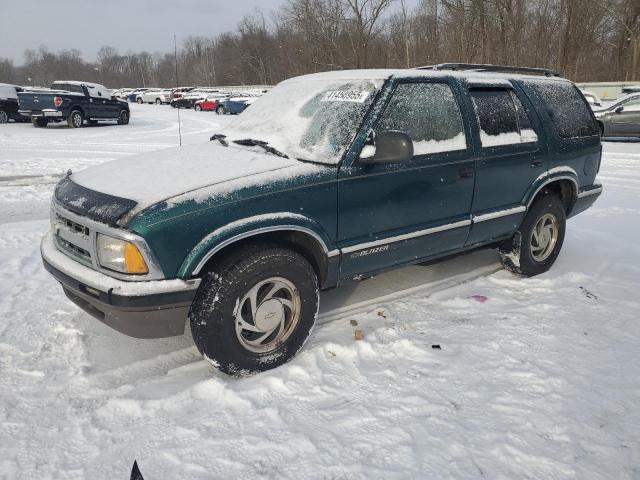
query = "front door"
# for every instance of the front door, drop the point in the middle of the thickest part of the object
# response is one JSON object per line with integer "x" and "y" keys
{"x": 627, "y": 121}
{"x": 394, "y": 213}
{"x": 511, "y": 158}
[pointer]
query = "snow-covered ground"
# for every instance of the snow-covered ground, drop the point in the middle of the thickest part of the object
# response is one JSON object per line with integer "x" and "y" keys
{"x": 534, "y": 378}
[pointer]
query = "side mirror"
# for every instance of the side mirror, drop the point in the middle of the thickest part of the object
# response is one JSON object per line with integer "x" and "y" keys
{"x": 390, "y": 147}
{"x": 619, "y": 109}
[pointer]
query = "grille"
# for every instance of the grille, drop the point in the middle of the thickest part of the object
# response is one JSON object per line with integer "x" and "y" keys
{"x": 73, "y": 239}
{"x": 71, "y": 225}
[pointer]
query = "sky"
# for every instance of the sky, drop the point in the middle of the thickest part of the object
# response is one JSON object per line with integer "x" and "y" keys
{"x": 133, "y": 25}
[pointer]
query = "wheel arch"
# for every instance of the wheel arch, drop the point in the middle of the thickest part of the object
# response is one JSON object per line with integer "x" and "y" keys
{"x": 563, "y": 182}
{"x": 297, "y": 232}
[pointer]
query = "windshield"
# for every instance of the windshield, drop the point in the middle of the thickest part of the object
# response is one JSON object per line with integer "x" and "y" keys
{"x": 306, "y": 118}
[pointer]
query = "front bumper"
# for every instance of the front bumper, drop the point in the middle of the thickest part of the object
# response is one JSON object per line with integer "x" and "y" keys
{"x": 150, "y": 309}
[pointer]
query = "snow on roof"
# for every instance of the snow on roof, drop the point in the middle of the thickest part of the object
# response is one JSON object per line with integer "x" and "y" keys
{"x": 76, "y": 82}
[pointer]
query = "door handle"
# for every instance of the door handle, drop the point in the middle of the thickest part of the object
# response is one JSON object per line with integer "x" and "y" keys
{"x": 465, "y": 172}
{"x": 536, "y": 163}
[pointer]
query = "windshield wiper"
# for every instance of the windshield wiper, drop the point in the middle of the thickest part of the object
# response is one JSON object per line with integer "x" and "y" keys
{"x": 249, "y": 142}
{"x": 220, "y": 138}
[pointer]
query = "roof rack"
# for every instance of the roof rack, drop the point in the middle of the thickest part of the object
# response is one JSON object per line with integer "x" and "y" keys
{"x": 480, "y": 67}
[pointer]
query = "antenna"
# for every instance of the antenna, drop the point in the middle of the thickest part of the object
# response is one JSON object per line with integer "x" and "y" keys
{"x": 175, "y": 54}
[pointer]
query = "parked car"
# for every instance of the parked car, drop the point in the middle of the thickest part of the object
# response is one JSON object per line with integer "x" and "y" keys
{"x": 188, "y": 100}
{"x": 631, "y": 89}
{"x": 357, "y": 173}
{"x": 211, "y": 103}
{"x": 622, "y": 118}
{"x": 121, "y": 93}
{"x": 235, "y": 105}
{"x": 179, "y": 92}
{"x": 157, "y": 96}
{"x": 9, "y": 103}
{"x": 74, "y": 102}
{"x": 133, "y": 95}
{"x": 592, "y": 99}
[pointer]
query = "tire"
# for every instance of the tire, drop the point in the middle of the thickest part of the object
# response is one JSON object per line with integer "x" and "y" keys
{"x": 123, "y": 117}
{"x": 4, "y": 117}
{"x": 223, "y": 300}
{"x": 538, "y": 241}
{"x": 139, "y": 101}
{"x": 39, "y": 122}
{"x": 75, "y": 119}
{"x": 221, "y": 110}
{"x": 198, "y": 108}
{"x": 158, "y": 101}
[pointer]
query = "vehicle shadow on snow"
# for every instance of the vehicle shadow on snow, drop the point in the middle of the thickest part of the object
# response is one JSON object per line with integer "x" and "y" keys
{"x": 115, "y": 359}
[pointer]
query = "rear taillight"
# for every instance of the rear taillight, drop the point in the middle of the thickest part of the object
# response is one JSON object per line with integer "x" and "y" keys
{"x": 57, "y": 101}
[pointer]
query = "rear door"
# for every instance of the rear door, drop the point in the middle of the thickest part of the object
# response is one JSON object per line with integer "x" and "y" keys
{"x": 511, "y": 158}
{"x": 394, "y": 213}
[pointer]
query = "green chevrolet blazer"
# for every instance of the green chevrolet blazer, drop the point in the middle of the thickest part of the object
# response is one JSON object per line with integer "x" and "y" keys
{"x": 326, "y": 178}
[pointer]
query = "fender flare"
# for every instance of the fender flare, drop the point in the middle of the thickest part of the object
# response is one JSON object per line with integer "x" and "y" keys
{"x": 233, "y": 232}
{"x": 550, "y": 176}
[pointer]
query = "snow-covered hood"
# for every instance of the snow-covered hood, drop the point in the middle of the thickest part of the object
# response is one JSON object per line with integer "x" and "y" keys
{"x": 159, "y": 176}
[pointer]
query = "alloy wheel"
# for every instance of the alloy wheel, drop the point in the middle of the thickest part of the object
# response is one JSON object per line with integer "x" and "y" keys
{"x": 267, "y": 315}
{"x": 544, "y": 237}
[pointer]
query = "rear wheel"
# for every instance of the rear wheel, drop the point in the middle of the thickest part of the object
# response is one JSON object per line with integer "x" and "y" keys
{"x": 158, "y": 101}
{"x": 139, "y": 101}
{"x": 39, "y": 122}
{"x": 4, "y": 117}
{"x": 198, "y": 108}
{"x": 75, "y": 119}
{"x": 538, "y": 241}
{"x": 255, "y": 309}
{"x": 123, "y": 117}
{"x": 221, "y": 110}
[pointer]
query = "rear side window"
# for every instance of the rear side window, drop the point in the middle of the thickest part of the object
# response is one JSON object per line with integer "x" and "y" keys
{"x": 570, "y": 114}
{"x": 429, "y": 114}
{"x": 502, "y": 118}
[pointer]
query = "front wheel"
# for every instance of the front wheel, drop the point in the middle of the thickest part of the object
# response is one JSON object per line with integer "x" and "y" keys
{"x": 75, "y": 119}
{"x": 255, "y": 310}
{"x": 221, "y": 110}
{"x": 4, "y": 117}
{"x": 158, "y": 101}
{"x": 537, "y": 243}
{"x": 139, "y": 101}
{"x": 198, "y": 108}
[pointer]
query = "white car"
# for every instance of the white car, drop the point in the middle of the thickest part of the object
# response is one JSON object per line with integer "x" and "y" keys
{"x": 156, "y": 96}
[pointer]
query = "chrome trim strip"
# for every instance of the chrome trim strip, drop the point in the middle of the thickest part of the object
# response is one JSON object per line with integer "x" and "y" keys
{"x": 498, "y": 214}
{"x": 155, "y": 272}
{"x": 593, "y": 191}
{"x": 258, "y": 231}
{"x": 406, "y": 236}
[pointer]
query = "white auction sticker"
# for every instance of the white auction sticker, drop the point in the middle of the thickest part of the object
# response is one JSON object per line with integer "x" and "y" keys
{"x": 357, "y": 96}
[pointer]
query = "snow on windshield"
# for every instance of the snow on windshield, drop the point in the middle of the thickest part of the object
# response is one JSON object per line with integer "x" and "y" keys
{"x": 310, "y": 119}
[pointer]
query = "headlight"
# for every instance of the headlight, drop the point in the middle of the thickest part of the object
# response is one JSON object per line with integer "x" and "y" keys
{"x": 120, "y": 255}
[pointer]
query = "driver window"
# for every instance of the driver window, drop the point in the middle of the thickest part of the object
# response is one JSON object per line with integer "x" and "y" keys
{"x": 429, "y": 114}
{"x": 633, "y": 104}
